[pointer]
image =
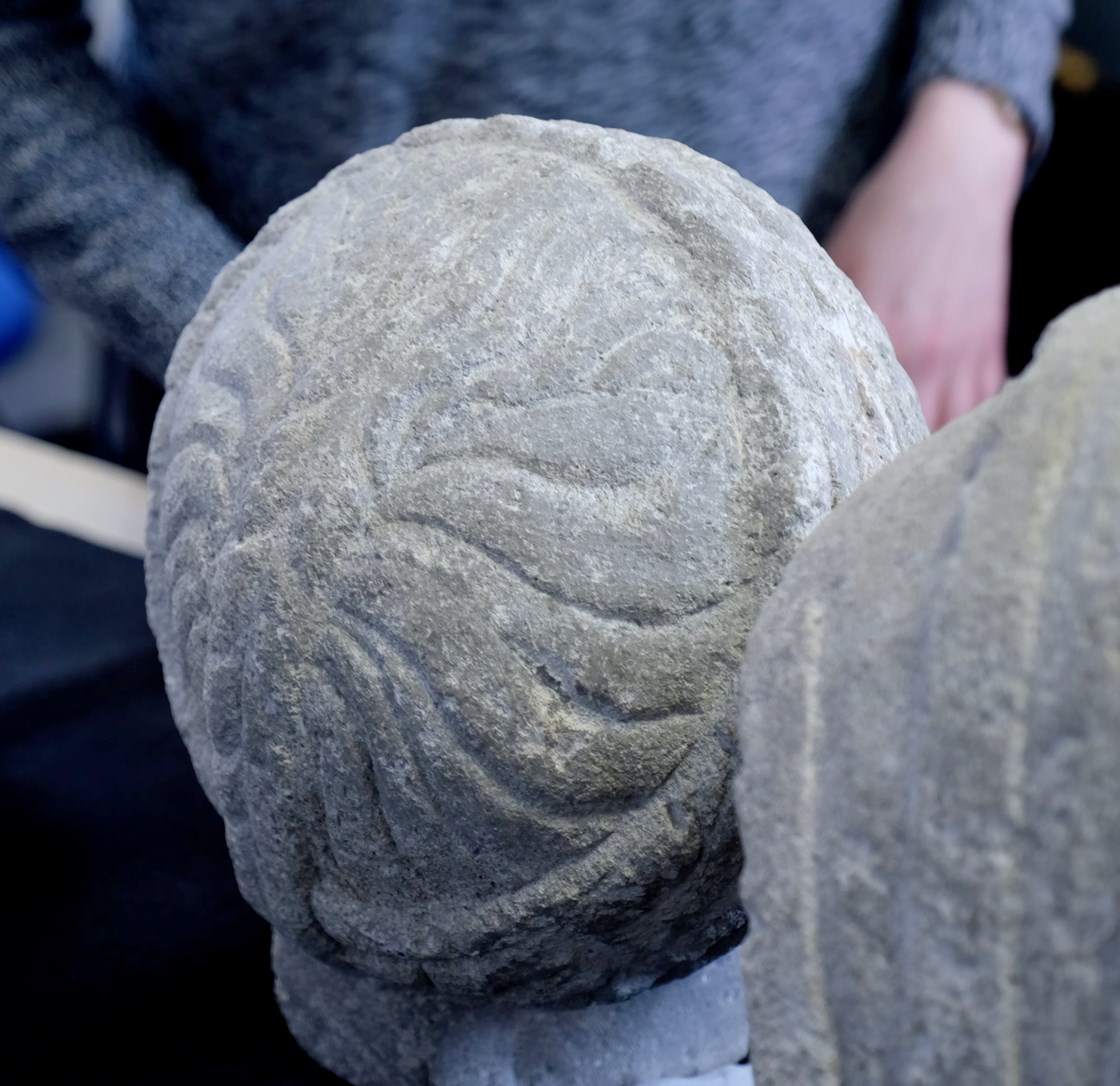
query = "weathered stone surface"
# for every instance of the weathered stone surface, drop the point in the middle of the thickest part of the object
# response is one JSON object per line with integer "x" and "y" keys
{"x": 931, "y": 748}
{"x": 357, "y": 1026}
{"x": 470, "y": 476}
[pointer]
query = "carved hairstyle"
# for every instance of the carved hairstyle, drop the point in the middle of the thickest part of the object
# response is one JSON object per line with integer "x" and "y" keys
{"x": 472, "y": 471}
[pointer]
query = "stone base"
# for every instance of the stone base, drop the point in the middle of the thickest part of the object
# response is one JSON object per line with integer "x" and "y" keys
{"x": 688, "y": 1031}
{"x": 739, "y": 1075}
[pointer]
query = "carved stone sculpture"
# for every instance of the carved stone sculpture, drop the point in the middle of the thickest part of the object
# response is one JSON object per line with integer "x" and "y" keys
{"x": 931, "y": 748}
{"x": 471, "y": 474}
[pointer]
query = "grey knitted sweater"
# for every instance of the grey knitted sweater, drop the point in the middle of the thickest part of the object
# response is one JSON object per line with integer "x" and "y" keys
{"x": 126, "y": 191}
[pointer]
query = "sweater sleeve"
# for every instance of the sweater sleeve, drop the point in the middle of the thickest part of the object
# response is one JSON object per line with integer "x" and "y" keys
{"x": 99, "y": 215}
{"x": 1008, "y": 45}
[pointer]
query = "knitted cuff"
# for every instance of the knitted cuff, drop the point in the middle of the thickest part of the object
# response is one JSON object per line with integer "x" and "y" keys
{"x": 1010, "y": 46}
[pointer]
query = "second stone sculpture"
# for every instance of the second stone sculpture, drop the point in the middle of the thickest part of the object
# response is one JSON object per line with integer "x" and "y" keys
{"x": 931, "y": 749}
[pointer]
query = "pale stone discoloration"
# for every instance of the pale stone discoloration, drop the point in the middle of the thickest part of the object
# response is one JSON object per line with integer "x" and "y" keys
{"x": 665, "y": 1035}
{"x": 953, "y": 743}
{"x": 471, "y": 474}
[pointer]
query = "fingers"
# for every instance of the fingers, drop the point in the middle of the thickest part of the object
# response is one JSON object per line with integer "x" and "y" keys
{"x": 992, "y": 375}
{"x": 948, "y": 388}
{"x": 962, "y": 394}
{"x": 929, "y": 396}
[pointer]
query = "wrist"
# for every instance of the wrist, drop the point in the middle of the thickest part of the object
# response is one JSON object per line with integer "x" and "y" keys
{"x": 970, "y": 127}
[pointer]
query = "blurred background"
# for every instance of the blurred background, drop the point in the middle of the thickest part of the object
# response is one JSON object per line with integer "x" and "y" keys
{"x": 59, "y": 382}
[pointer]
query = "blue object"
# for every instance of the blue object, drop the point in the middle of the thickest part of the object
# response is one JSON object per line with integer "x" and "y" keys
{"x": 19, "y": 306}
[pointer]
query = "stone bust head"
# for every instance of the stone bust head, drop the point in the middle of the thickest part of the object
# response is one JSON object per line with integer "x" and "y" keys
{"x": 472, "y": 472}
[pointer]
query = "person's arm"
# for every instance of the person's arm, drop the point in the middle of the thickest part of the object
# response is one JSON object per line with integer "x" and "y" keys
{"x": 101, "y": 218}
{"x": 927, "y": 236}
{"x": 927, "y": 239}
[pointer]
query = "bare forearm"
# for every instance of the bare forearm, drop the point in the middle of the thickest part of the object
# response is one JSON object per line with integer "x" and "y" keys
{"x": 973, "y": 130}
{"x": 927, "y": 240}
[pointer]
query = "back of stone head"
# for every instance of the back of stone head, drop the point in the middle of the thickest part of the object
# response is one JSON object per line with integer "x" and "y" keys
{"x": 471, "y": 474}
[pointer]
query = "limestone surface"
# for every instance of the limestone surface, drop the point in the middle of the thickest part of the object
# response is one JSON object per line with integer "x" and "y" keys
{"x": 930, "y": 753}
{"x": 471, "y": 474}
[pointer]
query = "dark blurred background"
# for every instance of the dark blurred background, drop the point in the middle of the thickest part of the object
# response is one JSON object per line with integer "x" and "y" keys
{"x": 1067, "y": 232}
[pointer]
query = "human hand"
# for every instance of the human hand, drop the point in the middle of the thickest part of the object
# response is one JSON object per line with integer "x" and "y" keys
{"x": 927, "y": 240}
